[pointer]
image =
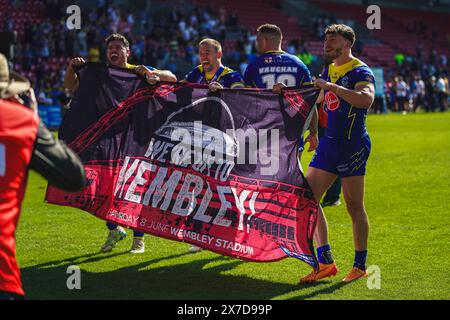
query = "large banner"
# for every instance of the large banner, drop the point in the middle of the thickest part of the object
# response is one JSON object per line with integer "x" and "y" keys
{"x": 217, "y": 170}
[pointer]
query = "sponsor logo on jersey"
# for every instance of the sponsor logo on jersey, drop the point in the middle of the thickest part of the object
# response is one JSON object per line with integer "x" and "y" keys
{"x": 332, "y": 101}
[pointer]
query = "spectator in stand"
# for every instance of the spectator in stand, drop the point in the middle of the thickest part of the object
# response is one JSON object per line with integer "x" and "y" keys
{"x": 430, "y": 94}
{"x": 43, "y": 99}
{"x": 442, "y": 93}
{"x": 390, "y": 93}
{"x": 94, "y": 54}
{"x": 399, "y": 59}
{"x": 401, "y": 92}
{"x": 420, "y": 93}
{"x": 306, "y": 57}
{"x": 443, "y": 60}
{"x": 167, "y": 41}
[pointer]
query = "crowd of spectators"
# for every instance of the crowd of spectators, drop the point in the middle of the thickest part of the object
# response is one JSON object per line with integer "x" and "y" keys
{"x": 418, "y": 82}
{"x": 168, "y": 39}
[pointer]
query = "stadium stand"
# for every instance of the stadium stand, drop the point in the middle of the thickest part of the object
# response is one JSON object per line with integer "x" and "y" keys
{"x": 164, "y": 34}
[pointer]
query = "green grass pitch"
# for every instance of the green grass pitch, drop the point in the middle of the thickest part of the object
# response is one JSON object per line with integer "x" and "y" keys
{"x": 407, "y": 199}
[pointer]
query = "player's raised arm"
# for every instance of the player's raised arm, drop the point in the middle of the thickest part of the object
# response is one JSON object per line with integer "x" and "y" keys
{"x": 71, "y": 81}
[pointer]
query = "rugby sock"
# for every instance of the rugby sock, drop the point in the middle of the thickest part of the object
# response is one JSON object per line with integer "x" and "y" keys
{"x": 138, "y": 234}
{"x": 111, "y": 226}
{"x": 324, "y": 254}
{"x": 360, "y": 259}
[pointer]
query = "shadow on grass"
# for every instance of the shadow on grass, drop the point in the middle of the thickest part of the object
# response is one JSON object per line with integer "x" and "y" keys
{"x": 179, "y": 281}
{"x": 327, "y": 290}
{"x": 90, "y": 257}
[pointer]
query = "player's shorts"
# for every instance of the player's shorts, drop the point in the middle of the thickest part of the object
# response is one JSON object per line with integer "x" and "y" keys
{"x": 343, "y": 157}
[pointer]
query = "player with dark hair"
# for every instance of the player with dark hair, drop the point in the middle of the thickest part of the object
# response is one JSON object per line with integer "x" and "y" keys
{"x": 25, "y": 143}
{"x": 348, "y": 92}
{"x": 117, "y": 54}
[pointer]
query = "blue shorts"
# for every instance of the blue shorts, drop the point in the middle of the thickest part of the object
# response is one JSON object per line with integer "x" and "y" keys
{"x": 345, "y": 158}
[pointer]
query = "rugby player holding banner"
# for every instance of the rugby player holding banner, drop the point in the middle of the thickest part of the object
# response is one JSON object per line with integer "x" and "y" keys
{"x": 117, "y": 54}
{"x": 214, "y": 74}
{"x": 348, "y": 92}
{"x": 275, "y": 69}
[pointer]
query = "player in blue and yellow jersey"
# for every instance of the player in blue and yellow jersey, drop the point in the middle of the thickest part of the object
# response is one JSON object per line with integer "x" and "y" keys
{"x": 274, "y": 65}
{"x": 348, "y": 92}
{"x": 211, "y": 71}
{"x": 117, "y": 54}
{"x": 275, "y": 69}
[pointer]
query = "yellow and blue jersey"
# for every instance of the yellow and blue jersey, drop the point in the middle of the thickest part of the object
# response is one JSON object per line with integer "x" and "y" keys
{"x": 344, "y": 120}
{"x": 227, "y": 77}
{"x": 276, "y": 67}
{"x": 345, "y": 148}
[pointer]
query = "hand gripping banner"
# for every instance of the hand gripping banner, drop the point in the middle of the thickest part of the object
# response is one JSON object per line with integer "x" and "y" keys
{"x": 175, "y": 160}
